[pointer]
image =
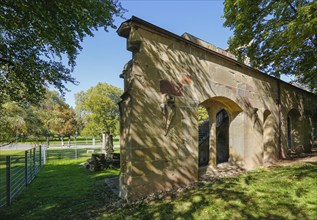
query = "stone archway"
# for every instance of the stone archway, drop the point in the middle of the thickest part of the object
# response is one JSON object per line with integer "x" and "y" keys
{"x": 222, "y": 112}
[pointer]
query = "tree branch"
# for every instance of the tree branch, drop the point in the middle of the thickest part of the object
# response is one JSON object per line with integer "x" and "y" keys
{"x": 292, "y": 7}
{"x": 7, "y": 62}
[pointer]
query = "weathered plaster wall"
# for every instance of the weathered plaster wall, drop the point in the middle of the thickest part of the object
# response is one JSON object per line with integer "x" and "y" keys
{"x": 165, "y": 82}
{"x": 301, "y": 107}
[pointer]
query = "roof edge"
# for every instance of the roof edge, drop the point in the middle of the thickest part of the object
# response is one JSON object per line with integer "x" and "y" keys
{"x": 125, "y": 28}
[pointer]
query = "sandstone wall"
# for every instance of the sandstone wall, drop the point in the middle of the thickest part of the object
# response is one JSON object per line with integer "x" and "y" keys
{"x": 166, "y": 81}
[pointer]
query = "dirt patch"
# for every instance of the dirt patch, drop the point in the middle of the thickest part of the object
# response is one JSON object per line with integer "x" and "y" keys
{"x": 288, "y": 162}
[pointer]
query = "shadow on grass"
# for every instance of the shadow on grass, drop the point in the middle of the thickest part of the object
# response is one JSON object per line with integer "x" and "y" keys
{"x": 65, "y": 190}
{"x": 249, "y": 196}
{"x": 62, "y": 190}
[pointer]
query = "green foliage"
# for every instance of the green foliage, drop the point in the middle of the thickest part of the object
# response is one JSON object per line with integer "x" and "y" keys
{"x": 98, "y": 109}
{"x": 17, "y": 121}
{"x": 279, "y": 37}
{"x": 202, "y": 114}
{"x": 51, "y": 117}
{"x": 36, "y": 35}
{"x": 58, "y": 117}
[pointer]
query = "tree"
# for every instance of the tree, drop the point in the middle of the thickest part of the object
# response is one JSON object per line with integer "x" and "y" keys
{"x": 35, "y": 37}
{"x": 51, "y": 117}
{"x": 66, "y": 124}
{"x": 19, "y": 121}
{"x": 97, "y": 108}
{"x": 57, "y": 116}
{"x": 279, "y": 37}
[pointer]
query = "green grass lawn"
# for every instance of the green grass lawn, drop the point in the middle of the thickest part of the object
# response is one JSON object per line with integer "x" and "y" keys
{"x": 280, "y": 193}
{"x": 65, "y": 190}
{"x": 17, "y": 167}
{"x": 11, "y": 152}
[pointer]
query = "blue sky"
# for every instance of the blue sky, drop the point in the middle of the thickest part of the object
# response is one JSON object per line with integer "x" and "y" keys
{"x": 104, "y": 55}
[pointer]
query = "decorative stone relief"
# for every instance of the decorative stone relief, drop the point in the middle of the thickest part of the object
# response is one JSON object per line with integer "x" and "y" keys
{"x": 126, "y": 69}
{"x": 140, "y": 79}
{"x": 168, "y": 108}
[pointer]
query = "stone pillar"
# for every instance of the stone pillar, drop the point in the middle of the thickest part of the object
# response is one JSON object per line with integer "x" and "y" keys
{"x": 213, "y": 139}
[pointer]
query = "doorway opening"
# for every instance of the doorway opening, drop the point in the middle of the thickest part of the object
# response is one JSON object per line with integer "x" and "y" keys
{"x": 222, "y": 143}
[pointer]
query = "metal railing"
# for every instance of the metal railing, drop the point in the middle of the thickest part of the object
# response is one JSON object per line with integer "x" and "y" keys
{"x": 17, "y": 171}
{"x": 70, "y": 153}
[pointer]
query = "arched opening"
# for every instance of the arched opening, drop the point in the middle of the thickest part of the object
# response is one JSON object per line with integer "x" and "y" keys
{"x": 269, "y": 137}
{"x": 292, "y": 128}
{"x": 214, "y": 138}
{"x": 222, "y": 143}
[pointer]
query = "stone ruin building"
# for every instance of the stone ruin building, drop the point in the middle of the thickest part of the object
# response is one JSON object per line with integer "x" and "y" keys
{"x": 254, "y": 118}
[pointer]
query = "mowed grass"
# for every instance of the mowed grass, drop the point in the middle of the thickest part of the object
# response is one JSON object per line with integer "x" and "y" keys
{"x": 280, "y": 193}
{"x": 65, "y": 190}
{"x": 11, "y": 152}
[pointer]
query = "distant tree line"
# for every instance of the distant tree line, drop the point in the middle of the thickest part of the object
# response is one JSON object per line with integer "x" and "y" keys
{"x": 96, "y": 112}
{"x": 50, "y": 118}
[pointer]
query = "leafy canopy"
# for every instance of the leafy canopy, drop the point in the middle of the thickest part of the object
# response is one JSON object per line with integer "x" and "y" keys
{"x": 17, "y": 121}
{"x": 98, "y": 110}
{"x": 57, "y": 116}
{"x": 279, "y": 37}
{"x": 36, "y": 35}
{"x": 52, "y": 116}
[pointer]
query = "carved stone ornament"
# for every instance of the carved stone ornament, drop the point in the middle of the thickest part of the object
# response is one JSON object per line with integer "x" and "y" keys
{"x": 168, "y": 109}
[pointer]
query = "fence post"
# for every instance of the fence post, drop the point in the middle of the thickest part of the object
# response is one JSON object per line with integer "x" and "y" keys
{"x": 44, "y": 155}
{"x": 40, "y": 156}
{"x": 34, "y": 163}
{"x": 8, "y": 174}
{"x": 26, "y": 168}
{"x": 30, "y": 167}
